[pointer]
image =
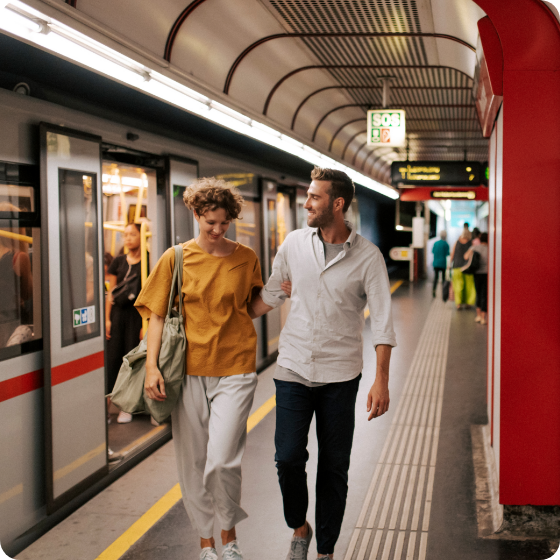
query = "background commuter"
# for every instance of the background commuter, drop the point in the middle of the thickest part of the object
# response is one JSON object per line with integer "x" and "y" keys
{"x": 123, "y": 323}
{"x": 209, "y": 421}
{"x": 476, "y": 236}
{"x": 463, "y": 284}
{"x": 16, "y": 287}
{"x": 331, "y": 269}
{"x": 441, "y": 252}
{"x": 481, "y": 278}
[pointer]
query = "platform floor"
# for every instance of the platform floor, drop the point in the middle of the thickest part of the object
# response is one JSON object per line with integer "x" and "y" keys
{"x": 411, "y": 492}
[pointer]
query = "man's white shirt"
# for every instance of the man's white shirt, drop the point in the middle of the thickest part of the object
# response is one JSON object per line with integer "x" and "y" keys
{"x": 322, "y": 338}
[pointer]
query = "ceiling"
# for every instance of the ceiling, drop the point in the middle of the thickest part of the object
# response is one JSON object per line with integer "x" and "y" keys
{"x": 314, "y": 67}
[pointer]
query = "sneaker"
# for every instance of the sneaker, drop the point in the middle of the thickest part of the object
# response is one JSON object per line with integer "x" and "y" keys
{"x": 208, "y": 554}
{"x": 483, "y": 321}
{"x": 300, "y": 546}
{"x": 232, "y": 552}
{"x": 478, "y": 320}
{"x": 154, "y": 421}
{"x": 124, "y": 417}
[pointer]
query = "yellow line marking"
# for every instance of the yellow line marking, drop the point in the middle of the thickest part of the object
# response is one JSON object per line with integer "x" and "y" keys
{"x": 61, "y": 473}
{"x": 396, "y": 285}
{"x": 394, "y": 288}
{"x": 141, "y": 439}
{"x": 274, "y": 340}
{"x": 164, "y": 504}
{"x": 260, "y": 413}
{"x": 12, "y": 493}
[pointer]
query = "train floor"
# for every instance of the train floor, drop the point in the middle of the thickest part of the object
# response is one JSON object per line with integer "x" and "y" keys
{"x": 411, "y": 482}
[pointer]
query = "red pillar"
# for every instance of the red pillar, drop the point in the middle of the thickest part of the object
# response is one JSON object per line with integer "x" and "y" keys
{"x": 529, "y": 420}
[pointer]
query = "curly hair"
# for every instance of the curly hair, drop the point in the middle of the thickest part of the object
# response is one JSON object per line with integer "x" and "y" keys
{"x": 210, "y": 194}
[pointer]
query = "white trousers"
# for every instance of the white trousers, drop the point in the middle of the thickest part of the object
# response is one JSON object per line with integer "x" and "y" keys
{"x": 209, "y": 426}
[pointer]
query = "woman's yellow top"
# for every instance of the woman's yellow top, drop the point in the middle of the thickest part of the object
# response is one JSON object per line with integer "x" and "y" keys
{"x": 221, "y": 338}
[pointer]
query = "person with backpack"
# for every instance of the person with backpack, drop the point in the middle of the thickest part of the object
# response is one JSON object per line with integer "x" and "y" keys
{"x": 481, "y": 278}
{"x": 441, "y": 252}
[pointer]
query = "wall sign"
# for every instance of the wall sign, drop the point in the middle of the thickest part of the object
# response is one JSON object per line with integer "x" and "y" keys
{"x": 444, "y": 173}
{"x": 84, "y": 316}
{"x": 386, "y": 127}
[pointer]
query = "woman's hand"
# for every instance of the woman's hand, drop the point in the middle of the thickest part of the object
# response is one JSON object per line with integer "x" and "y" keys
{"x": 108, "y": 329}
{"x": 154, "y": 384}
{"x": 287, "y": 288}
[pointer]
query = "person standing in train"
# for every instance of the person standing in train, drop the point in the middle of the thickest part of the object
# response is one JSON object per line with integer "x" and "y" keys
{"x": 123, "y": 323}
{"x": 332, "y": 273}
{"x": 209, "y": 422}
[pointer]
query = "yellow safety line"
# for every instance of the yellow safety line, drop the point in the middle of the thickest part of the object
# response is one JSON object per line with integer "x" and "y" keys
{"x": 9, "y": 494}
{"x": 141, "y": 440}
{"x": 163, "y": 505}
{"x": 61, "y": 473}
{"x": 394, "y": 288}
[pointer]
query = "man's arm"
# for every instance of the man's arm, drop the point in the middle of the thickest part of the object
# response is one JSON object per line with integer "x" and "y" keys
{"x": 258, "y": 307}
{"x": 378, "y": 396}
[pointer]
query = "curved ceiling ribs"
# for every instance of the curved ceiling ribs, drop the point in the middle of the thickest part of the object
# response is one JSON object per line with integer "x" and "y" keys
{"x": 352, "y": 138}
{"x": 435, "y": 110}
{"x": 354, "y": 67}
{"x": 371, "y": 88}
{"x": 177, "y": 27}
{"x": 353, "y": 35}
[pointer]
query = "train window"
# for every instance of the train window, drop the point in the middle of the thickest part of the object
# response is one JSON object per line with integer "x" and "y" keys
{"x": 79, "y": 294}
{"x": 20, "y": 263}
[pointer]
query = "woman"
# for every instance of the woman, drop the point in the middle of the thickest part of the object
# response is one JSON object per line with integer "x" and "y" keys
{"x": 481, "y": 278}
{"x": 123, "y": 323}
{"x": 463, "y": 284}
{"x": 209, "y": 421}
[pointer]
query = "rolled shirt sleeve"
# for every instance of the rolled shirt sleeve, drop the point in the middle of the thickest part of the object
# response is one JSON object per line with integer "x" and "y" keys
{"x": 154, "y": 297}
{"x": 272, "y": 293}
{"x": 379, "y": 301}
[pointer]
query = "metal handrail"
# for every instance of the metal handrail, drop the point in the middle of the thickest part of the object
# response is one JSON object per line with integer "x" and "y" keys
{"x": 16, "y": 236}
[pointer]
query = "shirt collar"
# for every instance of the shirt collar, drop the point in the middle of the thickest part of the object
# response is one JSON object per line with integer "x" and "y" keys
{"x": 351, "y": 237}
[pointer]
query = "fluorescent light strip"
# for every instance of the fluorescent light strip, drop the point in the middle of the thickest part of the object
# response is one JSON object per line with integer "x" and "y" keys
{"x": 29, "y": 24}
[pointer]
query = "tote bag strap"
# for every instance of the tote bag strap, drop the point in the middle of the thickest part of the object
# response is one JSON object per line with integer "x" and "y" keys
{"x": 177, "y": 281}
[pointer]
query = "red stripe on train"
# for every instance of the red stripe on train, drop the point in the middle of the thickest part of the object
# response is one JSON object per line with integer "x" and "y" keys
{"x": 20, "y": 385}
{"x": 71, "y": 370}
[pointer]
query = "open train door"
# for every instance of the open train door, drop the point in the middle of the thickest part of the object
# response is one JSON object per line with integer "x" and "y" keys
{"x": 73, "y": 317}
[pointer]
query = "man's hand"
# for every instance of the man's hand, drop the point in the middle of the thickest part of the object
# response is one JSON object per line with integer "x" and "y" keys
{"x": 378, "y": 399}
{"x": 378, "y": 396}
{"x": 287, "y": 288}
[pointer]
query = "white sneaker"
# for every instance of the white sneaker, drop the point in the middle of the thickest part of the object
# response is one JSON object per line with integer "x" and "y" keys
{"x": 232, "y": 552}
{"x": 124, "y": 417}
{"x": 208, "y": 553}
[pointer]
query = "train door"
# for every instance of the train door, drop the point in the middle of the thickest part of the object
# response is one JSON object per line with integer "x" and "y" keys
{"x": 135, "y": 195}
{"x": 73, "y": 334}
{"x": 181, "y": 172}
{"x": 271, "y": 244}
{"x": 286, "y": 217}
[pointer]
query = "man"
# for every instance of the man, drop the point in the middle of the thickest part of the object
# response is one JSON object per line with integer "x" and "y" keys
{"x": 333, "y": 273}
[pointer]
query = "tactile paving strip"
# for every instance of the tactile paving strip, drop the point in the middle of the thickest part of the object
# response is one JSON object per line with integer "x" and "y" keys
{"x": 395, "y": 517}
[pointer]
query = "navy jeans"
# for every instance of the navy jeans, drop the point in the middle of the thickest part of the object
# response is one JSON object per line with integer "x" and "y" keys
{"x": 334, "y": 406}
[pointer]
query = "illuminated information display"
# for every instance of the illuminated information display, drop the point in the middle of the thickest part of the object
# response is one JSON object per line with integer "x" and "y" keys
{"x": 437, "y": 173}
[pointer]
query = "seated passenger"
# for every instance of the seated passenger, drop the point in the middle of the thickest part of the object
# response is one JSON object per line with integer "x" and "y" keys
{"x": 16, "y": 285}
{"x": 209, "y": 422}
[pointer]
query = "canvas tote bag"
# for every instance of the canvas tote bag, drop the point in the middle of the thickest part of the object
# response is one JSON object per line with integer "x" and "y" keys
{"x": 128, "y": 393}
